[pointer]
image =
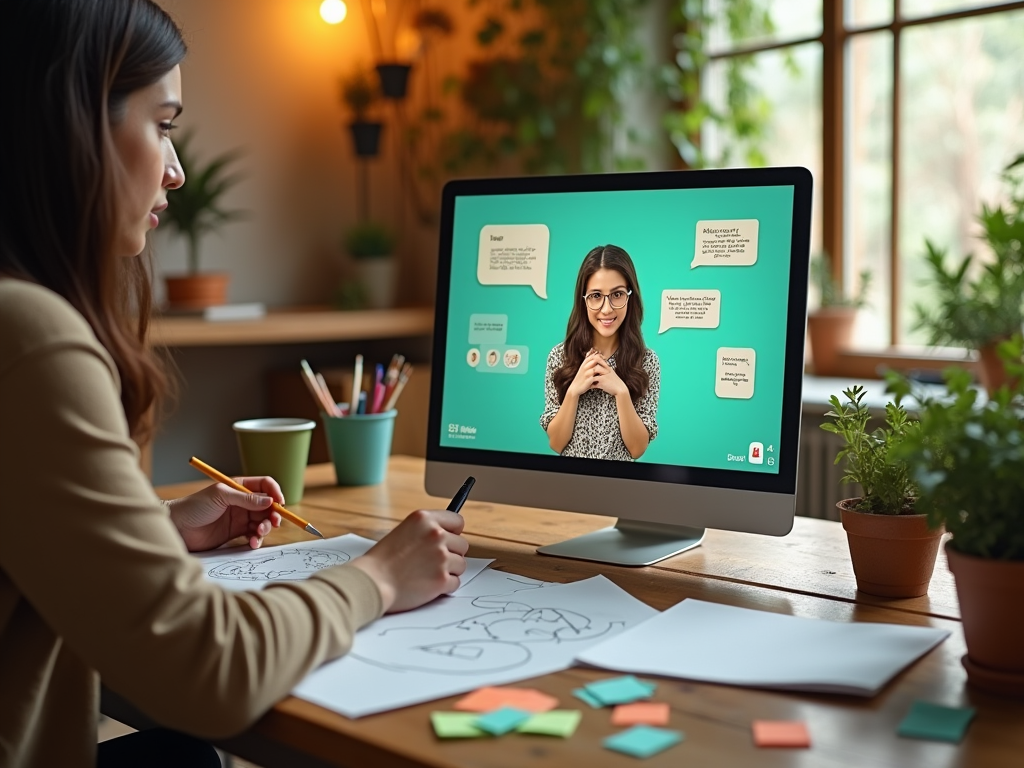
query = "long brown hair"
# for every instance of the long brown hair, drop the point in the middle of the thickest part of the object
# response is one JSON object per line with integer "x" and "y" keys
{"x": 69, "y": 67}
{"x": 579, "y": 332}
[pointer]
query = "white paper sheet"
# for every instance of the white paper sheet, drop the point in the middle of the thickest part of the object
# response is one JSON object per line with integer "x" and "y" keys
{"x": 506, "y": 628}
{"x": 241, "y": 568}
{"x": 715, "y": 643}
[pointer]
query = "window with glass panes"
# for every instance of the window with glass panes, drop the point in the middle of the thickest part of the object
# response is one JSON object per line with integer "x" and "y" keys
{"x": 906, "y": 112}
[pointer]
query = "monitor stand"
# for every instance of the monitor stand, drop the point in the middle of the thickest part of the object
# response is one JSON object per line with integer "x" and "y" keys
{"x": 628, "y": 543}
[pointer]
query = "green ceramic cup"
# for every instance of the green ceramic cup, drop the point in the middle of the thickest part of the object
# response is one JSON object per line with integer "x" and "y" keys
{"x": 360, "y": 446}
{"x": 276, "y": 447}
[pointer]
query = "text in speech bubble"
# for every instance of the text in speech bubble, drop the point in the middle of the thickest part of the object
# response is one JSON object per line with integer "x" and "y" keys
{"x": 488, "y": 329}
{"x": 690, "y": 309}
{"x": 734, "y": 374}
{"x": 514, "y": 254}
{"x": 726, "y": 243}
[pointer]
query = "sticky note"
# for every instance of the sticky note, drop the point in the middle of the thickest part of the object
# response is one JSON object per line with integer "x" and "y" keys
{"x": 558, "y": 722}
{"x": 455, "y": 725}
{"x": 588, "y": 698}
{"x": 781, "y": 733}
{"x": 641, "y": 713}
{"x": 501, "y": 720}
{"x": 620, "y": 690}
{"x": 643, "y": 741}
{"x": 936, "y": 722}
{"x": 488, "y": 699}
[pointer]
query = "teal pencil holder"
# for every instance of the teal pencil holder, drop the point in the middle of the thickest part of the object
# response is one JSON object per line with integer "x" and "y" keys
{"x": 360, "y": 446}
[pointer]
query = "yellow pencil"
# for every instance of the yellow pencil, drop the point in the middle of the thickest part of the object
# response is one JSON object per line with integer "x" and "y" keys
{"x": 220, "y": 477}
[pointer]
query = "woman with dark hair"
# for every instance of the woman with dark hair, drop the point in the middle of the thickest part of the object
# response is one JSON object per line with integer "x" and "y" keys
{"x": 95, "y": 577}
{"x": 602, "y": 382}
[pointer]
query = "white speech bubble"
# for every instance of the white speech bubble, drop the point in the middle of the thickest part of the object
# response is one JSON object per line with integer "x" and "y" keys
{"x": 690, "y": 309}
{"x": 514, "y": 254}
{"x": 734, "y": 373}
{"x": 726, "y": 243}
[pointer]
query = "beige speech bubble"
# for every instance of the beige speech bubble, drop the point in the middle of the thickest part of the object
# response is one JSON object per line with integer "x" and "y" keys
{"x": 690, "y": 309}
{"x": 734, "y": 374}
{"x": 514, "y": 254}
{"x": 726, "y": 243}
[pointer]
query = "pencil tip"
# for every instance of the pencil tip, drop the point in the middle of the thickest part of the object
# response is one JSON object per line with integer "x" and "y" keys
{"x": 314, "y": 531}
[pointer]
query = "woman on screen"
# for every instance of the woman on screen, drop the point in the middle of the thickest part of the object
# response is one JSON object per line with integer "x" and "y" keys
{"x": 602, "y": 383}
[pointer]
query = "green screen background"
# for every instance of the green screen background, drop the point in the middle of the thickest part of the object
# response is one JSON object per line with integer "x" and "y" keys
{"x": 658, "y": 230}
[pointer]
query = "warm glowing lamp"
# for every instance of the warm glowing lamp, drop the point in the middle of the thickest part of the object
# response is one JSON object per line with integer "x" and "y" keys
{"x": 333, "y": 11}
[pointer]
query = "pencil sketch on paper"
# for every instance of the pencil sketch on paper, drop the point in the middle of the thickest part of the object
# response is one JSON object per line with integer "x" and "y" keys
{"x": 278, "y": 564}
{"x": 499, "y": 638}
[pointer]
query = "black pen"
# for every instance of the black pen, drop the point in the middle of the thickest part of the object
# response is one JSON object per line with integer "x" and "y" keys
{"x": 460, "y": 498}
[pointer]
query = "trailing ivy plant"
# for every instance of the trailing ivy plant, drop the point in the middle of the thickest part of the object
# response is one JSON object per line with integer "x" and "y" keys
{"x": 885, "y": 480}
{"x": 968, "y": 460}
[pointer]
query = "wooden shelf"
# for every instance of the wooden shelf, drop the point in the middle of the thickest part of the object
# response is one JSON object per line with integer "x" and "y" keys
{"x": 293, "y": 325}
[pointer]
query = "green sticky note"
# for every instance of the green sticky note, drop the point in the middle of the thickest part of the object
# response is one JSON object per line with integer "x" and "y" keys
{"x": 501, "y": 720}
{"x": 588, "y": 698}
{"x": 557, "y": 722}
{"x": 620, "y": 690}
{"x": 455, "y": 725}
{"x": 936, "y": 722}
{"x": 643, "y": 740}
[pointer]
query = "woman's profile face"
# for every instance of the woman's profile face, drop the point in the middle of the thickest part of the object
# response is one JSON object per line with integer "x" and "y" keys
{"x": 148, "y": 163}
{"x": 607, "y": 320}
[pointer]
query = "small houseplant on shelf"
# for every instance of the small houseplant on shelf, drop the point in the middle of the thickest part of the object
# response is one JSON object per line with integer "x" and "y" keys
{"x": 830, "y": 327}
{"x": 372, "y": 246}
{"x": 968, "y": 461}
{"x": 359, "y": 93}
{"x": 193, "y": 210}
{"x": 891, "y": 546}
{"x": 981, "y": 303}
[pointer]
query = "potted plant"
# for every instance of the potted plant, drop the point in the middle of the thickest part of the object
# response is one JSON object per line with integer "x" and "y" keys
{"x": 359, "y": 93}
{"x": 193, "y": 210}
{"x": 830, "y": 327}
{"x": 891, "y": 546}
{"x": 372, "y": 246}
{"x": 968, "y": 461}
{"x": 981, "y": 303}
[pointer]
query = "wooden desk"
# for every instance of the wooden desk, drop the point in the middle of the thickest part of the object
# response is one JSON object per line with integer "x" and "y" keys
{"x": 803, "y": 574}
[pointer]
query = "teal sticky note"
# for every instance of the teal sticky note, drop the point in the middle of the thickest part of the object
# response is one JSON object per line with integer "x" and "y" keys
{"x": 936, "y": 722}
{"x": 455, "y": 725}
{"x": 557, "y": 722}
{"x": 588, "y": 698}
{"x": 643, "y": 740}
{"x": 501, "y": 720}
{"x": 620, "y": 690}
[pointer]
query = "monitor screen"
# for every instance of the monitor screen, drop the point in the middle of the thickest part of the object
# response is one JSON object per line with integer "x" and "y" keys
{"x": 644, "y": 327}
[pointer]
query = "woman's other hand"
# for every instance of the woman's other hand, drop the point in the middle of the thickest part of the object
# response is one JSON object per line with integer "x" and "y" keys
{"x": 586, "y": 376}
{"x": 217, "y": 514}
{"x": 419, "y": 560}
{"x": 607, "y": 379}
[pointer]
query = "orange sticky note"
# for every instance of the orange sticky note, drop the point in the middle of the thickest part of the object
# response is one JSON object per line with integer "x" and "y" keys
{"x": 781, "y": 733}
{"x": 488, "y": 699}
{"x": 641, "y": 713}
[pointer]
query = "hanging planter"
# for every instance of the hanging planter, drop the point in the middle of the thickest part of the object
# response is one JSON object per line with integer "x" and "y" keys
{"x": 394, "y": 80}
{"x": 366, "y": 137}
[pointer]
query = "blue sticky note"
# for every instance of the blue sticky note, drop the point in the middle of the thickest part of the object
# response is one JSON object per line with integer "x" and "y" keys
{"x": 936, "y": 722}
{"x": 502, "y": 720}
{"x": 643, "y": 740}
{"x": 620, "y": 690}
{"x": 588, "y": 698}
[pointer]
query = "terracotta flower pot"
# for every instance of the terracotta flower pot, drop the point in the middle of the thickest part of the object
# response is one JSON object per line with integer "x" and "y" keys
{"x": 992, "y": 369}
{"x": 893, "y": 555}
{"x": 205, "y": 289}
{"x": 991, "y": 595}
{"x": 829, "y": 330}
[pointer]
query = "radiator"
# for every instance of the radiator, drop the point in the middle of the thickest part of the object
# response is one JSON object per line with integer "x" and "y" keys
{"x": 818, "y": 488}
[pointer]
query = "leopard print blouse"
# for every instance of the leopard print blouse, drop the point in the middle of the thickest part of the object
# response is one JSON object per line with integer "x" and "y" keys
{"x": 596, "y": 434}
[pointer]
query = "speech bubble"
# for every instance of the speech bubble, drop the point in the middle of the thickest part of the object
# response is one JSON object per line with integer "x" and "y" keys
{"x": 734, "y": 373}
{"x": 690, "y": 309}
{"x": 725, "y": 243}
{"x": 514, "y": 254}
{"x": 488, "y": 329}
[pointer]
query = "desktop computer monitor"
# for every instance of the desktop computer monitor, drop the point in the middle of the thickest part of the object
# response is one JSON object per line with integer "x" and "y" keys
{"x": 691, "y": 286}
